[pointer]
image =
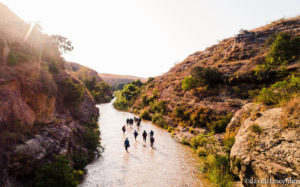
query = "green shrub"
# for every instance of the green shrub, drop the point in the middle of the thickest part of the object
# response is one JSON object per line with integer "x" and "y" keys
{"x": 101, "y": 91}
{"x": 270, "y": 40}
{"x": 192, "y": 130}
{"x": 256, "y": 128}
{"x": 279, "y": 91}
{"x": 144, "y": 100}
{"x": 57, "y": 173}
{"x": 262, "y": 72}
{"x": 267, "y": 96}
{"x": 200, "y": 140}
{"x": 219, "y": 124}
{"x": 120, "y": 103}
{"x": 207, "y": 76}
{"x": 185, "y": 142}
{"x": 281, "y": 50}
{"x": 91, "y": 139}
{"x": 78, "y": 174}
{"x": 158, "y": 107}
{"x": 188, "y": 83}
{"x": 170, "y": 129}
{"x": 137, "y": 83}
{"x": 150, "y": 79}
{"x": 228, "y": 143}
{"x": 202, "y": 152}
{"x": 53, "y": 66}
{"x": 156, "y": 117}
{"x": 80, "y": 160}
{"x": 14, "y": 58}
{"x": 200, "y": 117}
{"x": 145, "y": 115}
{"x": 180, "y": 113}
{"x": 218, "y": 170}
{"x": 71, "y": 92}
{"x": 129, "y": 91}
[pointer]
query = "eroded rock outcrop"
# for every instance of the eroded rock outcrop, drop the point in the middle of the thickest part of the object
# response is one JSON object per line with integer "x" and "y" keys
{"x": 264, "y": 148}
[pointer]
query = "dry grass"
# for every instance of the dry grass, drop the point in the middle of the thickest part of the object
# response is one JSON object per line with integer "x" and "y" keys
{"x": 291, "y": 113}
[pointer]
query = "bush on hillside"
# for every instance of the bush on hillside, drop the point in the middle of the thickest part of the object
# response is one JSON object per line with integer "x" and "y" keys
{"x": 137, "y": 83}
{"x": 80, "y": 160}
{"x": 14, "y": 58}
{"x": 53, "y": 66}
{"x": 200, "y": 140}
{"x": 200, "y": 117}
{"x": 100, "y": 91}
{"x": 188, "y": 83}
{"x": 120, "y": 103}
{"x": 57, "y": 173}
{"x": 91, "y": 139}
{"x": 145, "y": 115}
{"x": 279, "y": 91}
{"x": 283, "y": 49}
{"x": 218, "y": 169}
{"x": 72, "y": 93}
{"x": 150, "y": 79}
{"x": 158, "y": 107}
{"x": 181, "y": 114}
{"x": 129, "y": 91}
{"x": 219, "y": 124}
{"x": 206, "y": 76}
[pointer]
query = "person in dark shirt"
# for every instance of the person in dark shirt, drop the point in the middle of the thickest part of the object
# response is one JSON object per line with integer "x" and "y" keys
{"x": 126, "y": 144}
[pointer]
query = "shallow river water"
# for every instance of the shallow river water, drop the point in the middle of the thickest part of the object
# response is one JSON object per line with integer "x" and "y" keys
{"x": 168, "y": 164}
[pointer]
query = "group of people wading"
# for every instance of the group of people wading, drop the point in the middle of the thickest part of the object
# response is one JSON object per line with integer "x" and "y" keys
{"x": 130, "y": 122}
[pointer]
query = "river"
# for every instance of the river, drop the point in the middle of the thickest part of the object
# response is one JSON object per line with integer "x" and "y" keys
{"x": 168, "y": 164}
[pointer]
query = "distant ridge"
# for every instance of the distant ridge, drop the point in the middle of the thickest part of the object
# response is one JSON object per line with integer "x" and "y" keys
{"x": 114, "y": 79}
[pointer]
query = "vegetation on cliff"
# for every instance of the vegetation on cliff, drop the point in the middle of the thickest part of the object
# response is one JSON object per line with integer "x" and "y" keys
{"x": 100, "y": 90}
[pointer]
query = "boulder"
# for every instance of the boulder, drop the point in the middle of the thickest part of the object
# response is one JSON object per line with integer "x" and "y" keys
{"x": 270, "y": 153}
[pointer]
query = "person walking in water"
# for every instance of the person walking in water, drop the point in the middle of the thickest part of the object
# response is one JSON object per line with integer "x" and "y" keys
{"x": 144, "y": 136}
{"x": 138, "y": 124}
{"x": 124, "y": 129}
{"x": 151, "y": 141}
{"x": 151, "y": 133}
{"x": 126, "y": 144}
{"x": 135, "y": 134}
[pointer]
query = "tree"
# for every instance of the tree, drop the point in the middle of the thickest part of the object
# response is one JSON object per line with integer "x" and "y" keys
{"x": 130, "y": 91}
{"x": 63, "y": 44}
{"x": 57, "y": 173}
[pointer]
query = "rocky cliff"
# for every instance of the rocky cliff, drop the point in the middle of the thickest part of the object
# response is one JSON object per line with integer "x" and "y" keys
{"x": 265, "y": 146}
{"x": 44, "y": 109}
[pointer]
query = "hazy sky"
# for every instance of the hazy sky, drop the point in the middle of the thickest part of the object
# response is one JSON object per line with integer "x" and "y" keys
{"x": 146, "y": 37}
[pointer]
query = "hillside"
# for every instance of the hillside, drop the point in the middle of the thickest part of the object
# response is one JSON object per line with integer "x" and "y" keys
{"x": 114, "y": 80}
{"x": 219, "y": 90}
{"x": 100, "y": 90}
{"x": 48, "y": 117}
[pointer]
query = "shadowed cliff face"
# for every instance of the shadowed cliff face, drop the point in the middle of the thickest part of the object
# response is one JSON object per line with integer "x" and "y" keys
{"x": 44, "y": 110}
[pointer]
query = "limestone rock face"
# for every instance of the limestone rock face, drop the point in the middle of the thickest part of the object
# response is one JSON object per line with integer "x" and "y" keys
{"x": 272, "y": 152}
{"x": 87, "y": 108}
{"x": 28, "y": 156}
{"x": 13, "y": 107}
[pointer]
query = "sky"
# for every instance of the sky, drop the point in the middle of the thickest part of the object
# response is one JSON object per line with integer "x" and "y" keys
{"x": 146, "y": 37}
